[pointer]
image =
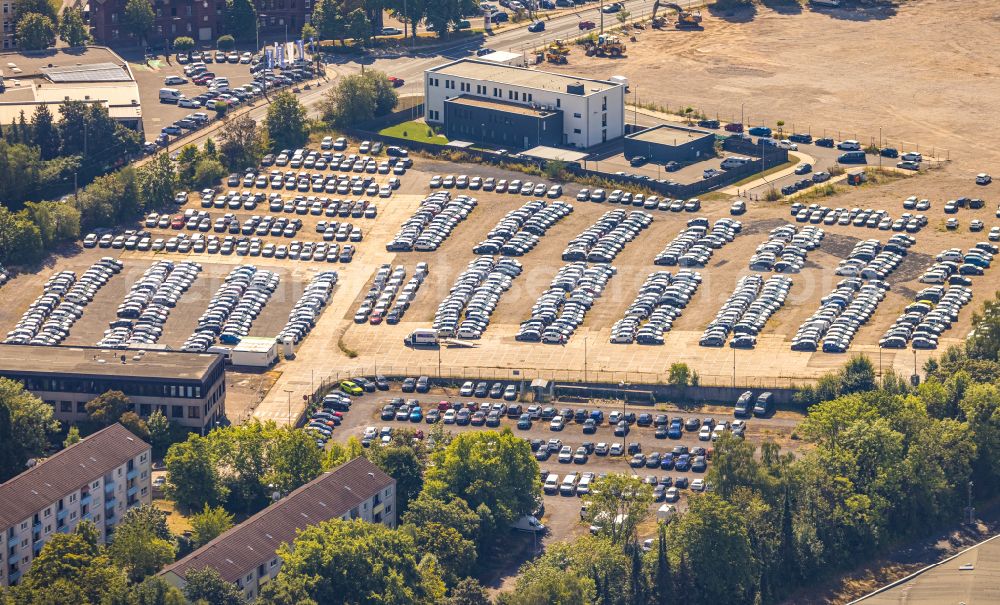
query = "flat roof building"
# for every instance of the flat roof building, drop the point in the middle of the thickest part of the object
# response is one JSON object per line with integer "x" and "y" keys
{"x": 189, "y": 388}
{"x": 591, "y": 111}
{"x": 95, "y": 480}
{"x": 94, "y": 75}
{"x": 246, "y": 554}
{"x": 670, "y": 142}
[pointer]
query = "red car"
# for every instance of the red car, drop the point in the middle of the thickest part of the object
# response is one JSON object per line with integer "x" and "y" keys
{"x": 396, "y": 82}
{"x": 177, "y": 222}
{"x": 734, "y": 127}
{"x": 587, "y": 25}
{"x": 203, "y": 78}
{"x": 444, "y": 406}
{"x": 375, "y": 319}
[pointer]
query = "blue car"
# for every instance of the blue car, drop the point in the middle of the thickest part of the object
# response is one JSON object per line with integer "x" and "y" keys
{"x": 683, "y": 462}
{"x": 675, "y": 430}
{"x": 416, "y": 415}
{"x": 759, "y": 131}
{"x": 667, "y": 462}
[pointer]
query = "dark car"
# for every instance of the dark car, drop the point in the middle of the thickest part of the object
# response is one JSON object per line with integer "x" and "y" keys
{"x": 744, "y": 405}
{"x": 388, "y": 412}
{"x": 537, "y": 26}
{"x": 803, "y": 169}
{"x": 381, "y": 383}
{"x": 825, "y": 142}
{"x": 644, "y": 420}
{"x": 708, "y": 123}
{"x": 638, "y": 160}
{"x": 764, "y": 405}
{"x": 692, "y": 424}
{"x": 800, "y": 138}
{"x": 889, "y": 152}
{"x": 409, "y": 385}
{"x": 423, "y": 384}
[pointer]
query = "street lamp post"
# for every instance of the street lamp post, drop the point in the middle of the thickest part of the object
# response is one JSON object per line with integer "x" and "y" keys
{"x": 585, "y": 358}
{"x": 289, "y": 393}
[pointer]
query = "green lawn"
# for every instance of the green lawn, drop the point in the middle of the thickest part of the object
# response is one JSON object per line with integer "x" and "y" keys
{"x": 414, "y": 131}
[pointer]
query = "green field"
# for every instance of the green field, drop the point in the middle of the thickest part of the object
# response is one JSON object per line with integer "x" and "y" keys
{"x": 414, "y": 131}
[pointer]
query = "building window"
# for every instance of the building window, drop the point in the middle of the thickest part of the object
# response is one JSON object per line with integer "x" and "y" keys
{"x": 72, "y": 515}
{"x": 145, "y": 409}
{"x": 274, "y": 562}
{"x": 528, "y": 97}
{"x": 81, "y": 407}
{"x": 604, "y": 104}
{"x": 604, "y": 120}
{"x": 72, "y": 498}
{"x": 144, "y": 491}
{"x": 193, "y": 411}
{"x": 558, "y": 102}
{"x": 66, "y": 407}
{"x": 48, "y": 512}
{"x": 48, "y": 529}
{"x": 177, "y": 411}
{"x": 578, "y": 116}
{"x": 576, "y": 131}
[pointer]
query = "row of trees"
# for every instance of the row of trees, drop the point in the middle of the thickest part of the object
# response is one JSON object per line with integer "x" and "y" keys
{"x": 358, "y": 21}
{"x": 37, "y": 22}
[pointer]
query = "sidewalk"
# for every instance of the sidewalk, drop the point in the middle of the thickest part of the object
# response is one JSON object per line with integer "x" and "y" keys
{"x": 767, "y": 180}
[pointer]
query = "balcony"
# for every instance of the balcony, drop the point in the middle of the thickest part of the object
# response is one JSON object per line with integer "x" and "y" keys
{"x": 63, "y": 530}
{"x": 87, "y": 516}
{"x": 378, "y": 509}
{"x": 109, "y": 487}
{"x": 14, "y": 576}
{"x": 62, "y": 514}
{"x": 132, "y": 490}
{"x": 85, "y": 499}
{"x": 37, "y": 548}
{"x": 110, "y": 502}
{"x": 12, "y": 541}
{"x": 132, "y": 474}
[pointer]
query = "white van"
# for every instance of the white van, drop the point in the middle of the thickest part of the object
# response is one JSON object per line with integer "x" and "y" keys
{"x": 421, "y": 337}
{"x": 583, "y": 488}
{"x": 169, "y": 95}
{"x": 568, "y": 487}
{"x": 551, "y": 484}
{"x": 734, "y": 161}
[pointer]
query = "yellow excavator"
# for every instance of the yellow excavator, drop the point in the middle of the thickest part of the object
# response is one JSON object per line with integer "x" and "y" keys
{"x": 557, "y": 52}
{"x": 685, "y": 19}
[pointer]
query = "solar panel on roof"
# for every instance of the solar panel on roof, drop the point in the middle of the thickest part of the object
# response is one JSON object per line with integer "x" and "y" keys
{"x": 97, "y": 72}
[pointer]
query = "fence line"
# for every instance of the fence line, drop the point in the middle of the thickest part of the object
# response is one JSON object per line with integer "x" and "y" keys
{"x": 449, "y": 375}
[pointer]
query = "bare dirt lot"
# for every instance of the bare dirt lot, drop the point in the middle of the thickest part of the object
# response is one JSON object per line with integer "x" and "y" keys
{"x": 898, "y": 69}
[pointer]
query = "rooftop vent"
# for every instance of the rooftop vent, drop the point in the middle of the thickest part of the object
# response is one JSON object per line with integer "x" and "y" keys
{"x": 575, "y": 89}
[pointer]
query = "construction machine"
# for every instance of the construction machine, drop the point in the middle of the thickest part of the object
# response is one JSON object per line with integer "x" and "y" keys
{"x": 685, "y": 19}
{"x": 557, "y": 52}
{"x": 606, "y": 46}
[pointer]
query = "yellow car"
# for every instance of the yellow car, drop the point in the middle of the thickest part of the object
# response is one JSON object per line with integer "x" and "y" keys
{"x": 350, "y": 388}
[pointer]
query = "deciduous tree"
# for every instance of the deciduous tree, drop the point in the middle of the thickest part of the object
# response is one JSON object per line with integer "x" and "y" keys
{"x": 193, "y": 478}
{"x": 138, "y": 19}
{"x": 26, "y": 422}
{"x": 618, "y": 503}
{"x": 107, "y": 407}
{"x": 72, "y": 30}
{"x": 209, "y": 524}
{"x": 35, "y": 32}
{"x": 240, "y": 143}
{"x": 286, "y": 122}
{"x": 207, "y": 586}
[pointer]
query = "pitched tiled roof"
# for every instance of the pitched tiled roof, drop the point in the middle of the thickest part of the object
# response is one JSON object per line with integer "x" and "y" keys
{"x": 67, "y": 471}
{"x": 253, "y": 542}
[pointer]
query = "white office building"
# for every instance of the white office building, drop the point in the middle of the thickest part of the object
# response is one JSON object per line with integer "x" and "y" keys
{"x": 96, "y": 480}
{"x": 493, "y": 103}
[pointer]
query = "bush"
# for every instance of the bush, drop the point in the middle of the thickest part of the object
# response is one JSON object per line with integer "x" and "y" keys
{"x": 226, "y": 42}
{"x": 680, "y": 374}
{"x": 183, "y": 44}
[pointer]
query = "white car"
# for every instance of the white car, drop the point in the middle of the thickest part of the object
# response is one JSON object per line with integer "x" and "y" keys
{"x": 705, "y": 433}
{"x": 983, "y": 179}
{"x": 994, "y": 234}
{"x": 449, "y": 416}
{"x": 467, "y": 388}
{"x": 557, "y": 424}
{"x": 371, "y": 432}
{"x": 188, "y": 103}
{"x": 172, "y": 80}
{"x": 912, "y": 156}
{"x": 788, "y": 145}
{"x": 566, "y": 454}
{"x": 698, "y": 485}
{"x": 246, "y": 57}
{"x": 327, "y": 143}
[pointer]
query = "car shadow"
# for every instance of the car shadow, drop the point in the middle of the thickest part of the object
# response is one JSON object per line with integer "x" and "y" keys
{"x": 742, "y": 14}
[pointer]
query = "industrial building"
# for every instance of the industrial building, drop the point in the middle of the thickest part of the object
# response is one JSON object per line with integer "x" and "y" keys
{"x": 188, "y": 388}
{"x": 95, "y": 480}
{"x": 495, "y": 103}
{"x": 667, "y": 142}
{"x": 96, "y": 75}
{"x": 246, "y": 555}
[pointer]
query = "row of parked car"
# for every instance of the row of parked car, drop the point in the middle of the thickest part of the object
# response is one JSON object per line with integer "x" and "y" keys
{"x": 389, "y": 298}
{"x": 602, "y": 241}
{"x": 465, "y": 312}
{"x": 318, "y": 182}
{"x": 560, "y": 310}
{"x": 520, "y": 230}
{"x": 304, "y": 315}
{"x": 747, "y": 310}
{"x": 324, "y": 420}
{"x": 694, "y": 246}
{"x": 841, "y": 314}
{"x": 924, "y": 320}
{"x": 870, "y": 260}
{"x": 953, "y": 263}
{"x": 234, "y": 307}
{"x": 786, "y": 249}
{"x": 48, "y": 319}
{"x": 515, "y": 186}
{"x": 432, "y": 222}
{"x": 859, "y": 217}
{"x": 661, "y": 299}
{"x": 146, "y": 306}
